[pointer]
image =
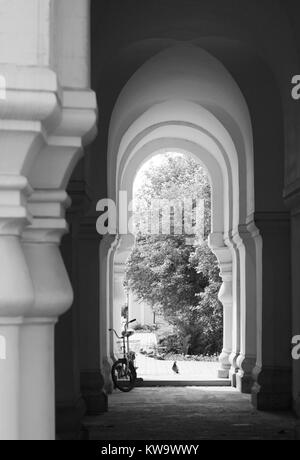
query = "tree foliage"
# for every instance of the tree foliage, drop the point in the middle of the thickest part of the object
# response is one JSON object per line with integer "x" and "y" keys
{"x": 180, "y": 280}
{"x": 175, "y": 178}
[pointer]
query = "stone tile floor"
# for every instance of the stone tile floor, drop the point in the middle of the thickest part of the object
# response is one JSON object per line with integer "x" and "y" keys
{"x": 187, "y": 413}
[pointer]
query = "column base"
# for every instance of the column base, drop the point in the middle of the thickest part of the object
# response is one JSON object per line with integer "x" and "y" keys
{"x": 272, "y": 389}
{"x": 244, "y": 382}
{"x": 223, "y": 373}
{"x": 234, "y": 368}
{"x": 94, "y": 395}
{"x": 244, "y": 376}
{"x": 296, "y": 406}
{"x": 297, "y": 432}
{"x": 232, "y": 377}
{"x": 69, "y": 418}
{"x": 108, "y": 383}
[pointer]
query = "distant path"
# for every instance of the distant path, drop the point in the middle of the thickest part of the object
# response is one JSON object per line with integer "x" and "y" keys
{"x": 153, "y": 369}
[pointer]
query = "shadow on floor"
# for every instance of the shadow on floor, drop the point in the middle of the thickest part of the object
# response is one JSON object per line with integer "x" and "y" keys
{"x": 189, "y": 413}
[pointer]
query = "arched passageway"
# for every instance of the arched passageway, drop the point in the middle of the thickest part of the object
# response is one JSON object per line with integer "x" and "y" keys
{"x": 184, "y": 99}
{"x": 213, "y": 78}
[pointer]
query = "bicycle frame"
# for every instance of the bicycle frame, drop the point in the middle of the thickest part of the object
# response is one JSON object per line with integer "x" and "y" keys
{"x": 125, "y": 339}
{"x": 124, "y": 368}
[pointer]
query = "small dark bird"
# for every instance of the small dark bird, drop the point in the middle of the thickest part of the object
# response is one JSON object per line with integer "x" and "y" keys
{"x": 175, "y": 368}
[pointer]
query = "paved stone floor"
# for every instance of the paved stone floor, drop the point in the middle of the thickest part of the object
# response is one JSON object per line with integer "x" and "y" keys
{"x": 187, "y": 413}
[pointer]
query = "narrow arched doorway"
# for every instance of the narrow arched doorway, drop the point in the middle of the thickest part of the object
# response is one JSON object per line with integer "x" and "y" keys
{"x": 172, "y": 279}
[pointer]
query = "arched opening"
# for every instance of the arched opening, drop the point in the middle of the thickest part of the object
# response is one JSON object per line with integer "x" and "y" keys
{"x": 172, "y": 276}
{"x": 184, "y": 99}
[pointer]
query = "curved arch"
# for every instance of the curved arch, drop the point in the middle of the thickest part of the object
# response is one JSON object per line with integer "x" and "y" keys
{"x": 162, "y": 88}
{"x": 202, "y": 155}
{"x": 183, "y": 98}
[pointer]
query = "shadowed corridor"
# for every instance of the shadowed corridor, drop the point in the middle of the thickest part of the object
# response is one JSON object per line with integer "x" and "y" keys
{"x": 189, "y": 413}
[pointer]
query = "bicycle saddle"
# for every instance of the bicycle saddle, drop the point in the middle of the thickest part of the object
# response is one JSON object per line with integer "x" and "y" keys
{"x": 128, "y": 333}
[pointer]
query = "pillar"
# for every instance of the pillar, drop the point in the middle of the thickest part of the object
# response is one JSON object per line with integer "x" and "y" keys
{"x": 53, "y": 296}
{"x": 49, "y": 178}
{"x": 249, "y": 245}
{"x": 236, "y": 319}
{"x": 223, "y": 254}
{"x": 26, "y": 116}
{"x": 10, "y": 379}
{"x": 88, "y": 277}
{"x": 43, "y": 129}
{"x": 106, "y": 254}
{"x": 120, "y": 299}
{"x": 273, "y": 371}
{"x": 292, "y": 197}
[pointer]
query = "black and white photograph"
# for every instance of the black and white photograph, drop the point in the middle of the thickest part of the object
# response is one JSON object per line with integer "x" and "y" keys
{"x": 149, "y": 223}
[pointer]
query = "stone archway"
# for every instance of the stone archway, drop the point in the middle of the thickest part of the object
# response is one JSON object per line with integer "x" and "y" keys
{"x": 201, "y": 110}
{"x": 49, "y": 115}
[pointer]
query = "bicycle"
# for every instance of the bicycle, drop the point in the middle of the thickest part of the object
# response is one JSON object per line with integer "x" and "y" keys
{"x": 123, "y": 371}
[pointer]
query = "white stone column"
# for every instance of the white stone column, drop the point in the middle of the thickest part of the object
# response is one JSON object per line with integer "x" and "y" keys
{"x": 17, "y": 294}
{"x": 223, "y": 254}
{"x": 53, "y": 297}
{"x": 236, "y": 320}
{"x": 119, "y": 302}
{"x": 43, "y": 129}
{"x": 106, "y": 253}
{"x": 37, "y": 380}
{"x": 249, "y": 246}
{"x": 10, "y": 379}
{"x": 53, "y": 291}
{"x": 26, "y": 114}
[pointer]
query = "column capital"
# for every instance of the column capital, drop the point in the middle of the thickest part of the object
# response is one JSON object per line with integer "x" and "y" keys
{"x": 76, "y": 127}
{"x": 223, "y": 254}
{"x": 244, "y": 234}
{"x": 48, "y": 210}
{"x": 45, "y": 231}
{"x": 14, "y": 190}
{"x": 32, "y": 96}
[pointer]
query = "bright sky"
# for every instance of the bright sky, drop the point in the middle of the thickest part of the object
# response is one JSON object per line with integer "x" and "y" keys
{"x": 157, "y": 160}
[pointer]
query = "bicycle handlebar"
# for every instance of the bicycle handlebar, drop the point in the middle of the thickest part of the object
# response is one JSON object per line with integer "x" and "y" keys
{"x": 113, "y": 330}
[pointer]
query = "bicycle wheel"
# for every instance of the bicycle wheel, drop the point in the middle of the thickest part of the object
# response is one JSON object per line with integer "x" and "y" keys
{"x": 123, "y": 376}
